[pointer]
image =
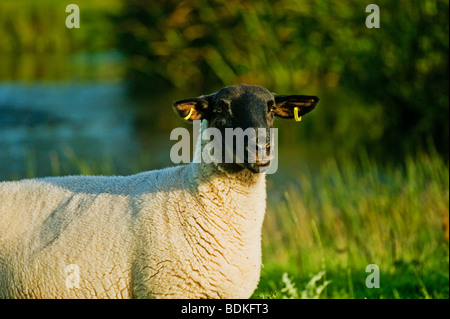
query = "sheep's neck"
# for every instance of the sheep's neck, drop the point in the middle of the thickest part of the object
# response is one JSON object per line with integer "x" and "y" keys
{"x": 244, "y": 183}
{"x": 242, "y": 180}
{"x": 240, "y": 188}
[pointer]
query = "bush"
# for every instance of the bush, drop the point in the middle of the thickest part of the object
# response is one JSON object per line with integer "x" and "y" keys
{"x": 286, "y": 45}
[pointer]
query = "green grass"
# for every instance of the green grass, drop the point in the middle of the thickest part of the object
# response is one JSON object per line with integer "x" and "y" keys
{"x": 351, "y": 214}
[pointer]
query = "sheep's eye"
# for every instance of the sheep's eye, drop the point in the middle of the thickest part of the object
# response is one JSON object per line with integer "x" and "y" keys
{"x": 271, "y": 106}
{"x": 221, "y": 106}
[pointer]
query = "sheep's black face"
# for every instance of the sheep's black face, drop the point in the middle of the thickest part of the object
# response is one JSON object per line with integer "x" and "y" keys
{"x": 245, "y": 109}
{"x": 248, "y": 112}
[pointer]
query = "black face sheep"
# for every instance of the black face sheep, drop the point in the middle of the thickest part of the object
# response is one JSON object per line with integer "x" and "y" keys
{"x": 189, "y": 231}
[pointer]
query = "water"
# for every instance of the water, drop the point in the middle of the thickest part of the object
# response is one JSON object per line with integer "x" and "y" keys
{"x": 88, "y": 119}
{"x": 50, "y": 127}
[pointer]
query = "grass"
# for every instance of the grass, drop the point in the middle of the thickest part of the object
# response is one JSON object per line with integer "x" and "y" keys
{"x": 350, "y": 214}
{"x": 313, "y": 289}
{"x": 325, "y": 225}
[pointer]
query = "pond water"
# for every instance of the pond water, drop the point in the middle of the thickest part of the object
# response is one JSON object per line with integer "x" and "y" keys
{"x": 55, "y": 125}
{"x": 37, "y": 120}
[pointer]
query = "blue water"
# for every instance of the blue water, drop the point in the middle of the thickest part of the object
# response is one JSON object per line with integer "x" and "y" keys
{"x": 90, "y": 120}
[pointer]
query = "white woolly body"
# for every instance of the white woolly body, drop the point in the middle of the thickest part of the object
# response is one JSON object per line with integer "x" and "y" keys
{"x": 188, "y": 231}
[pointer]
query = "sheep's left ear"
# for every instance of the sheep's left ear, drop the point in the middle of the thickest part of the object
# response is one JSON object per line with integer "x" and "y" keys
{"x": 286, "y": 104}
{"x": 195, "y": 108}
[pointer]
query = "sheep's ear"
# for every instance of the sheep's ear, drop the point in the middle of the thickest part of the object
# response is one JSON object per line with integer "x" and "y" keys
{"x": 192, "y": 109}
{"x": 290, "y": 106}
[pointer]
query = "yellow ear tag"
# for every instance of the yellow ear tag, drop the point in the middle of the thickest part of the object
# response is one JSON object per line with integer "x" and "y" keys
{"x": 297, "y": 118}
{"x": 189, "y": 115}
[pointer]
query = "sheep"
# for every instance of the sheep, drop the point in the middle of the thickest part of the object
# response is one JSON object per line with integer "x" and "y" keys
{"x": 188, "y": 231}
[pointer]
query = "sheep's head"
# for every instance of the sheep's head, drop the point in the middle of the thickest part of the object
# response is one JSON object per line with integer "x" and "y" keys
{"x": 245, "y": 107}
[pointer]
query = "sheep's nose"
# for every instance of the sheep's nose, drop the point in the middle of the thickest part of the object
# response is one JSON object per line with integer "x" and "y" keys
{"x": 263, "y": 154}
{"x": 268, "y": 149}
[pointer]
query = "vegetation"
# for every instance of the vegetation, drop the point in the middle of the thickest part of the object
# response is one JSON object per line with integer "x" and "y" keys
{"x": 354, "y": 213}
{"x": 288, "y": 45}
{"x": 40, "y": 26}
{"x": 36, "y": 45}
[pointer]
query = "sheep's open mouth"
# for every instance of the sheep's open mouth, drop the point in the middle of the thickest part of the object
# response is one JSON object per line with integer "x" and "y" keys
{"x": 262, "y": 164}
{"x": 258, "y": 167}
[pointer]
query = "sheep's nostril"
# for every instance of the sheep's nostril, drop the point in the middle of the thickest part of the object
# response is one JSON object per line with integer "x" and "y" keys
{"x": 268, "y": 149}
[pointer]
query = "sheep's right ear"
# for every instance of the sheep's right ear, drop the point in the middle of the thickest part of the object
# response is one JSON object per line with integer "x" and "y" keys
{"x": 192, "y": 109}
{"x": 294, "y": 106}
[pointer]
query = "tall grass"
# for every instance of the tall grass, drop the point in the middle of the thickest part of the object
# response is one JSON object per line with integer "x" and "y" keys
{"x": 354, "y": 213}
